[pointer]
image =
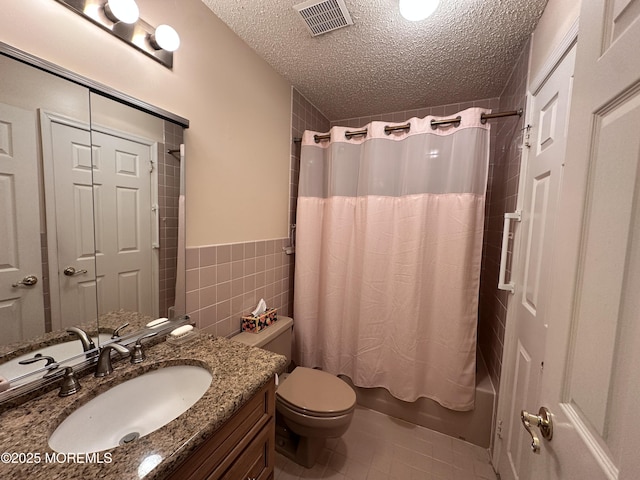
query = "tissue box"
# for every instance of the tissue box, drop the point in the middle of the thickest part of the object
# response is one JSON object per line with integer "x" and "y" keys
{"x": 255, "y": 324}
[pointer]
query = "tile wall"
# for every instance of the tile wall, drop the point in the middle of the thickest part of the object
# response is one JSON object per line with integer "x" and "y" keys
{"x": 225, "y": 282}
{"x": 305, "y": 117}
{"x": 168, "y": 195}
{"x": 501, "y": 198}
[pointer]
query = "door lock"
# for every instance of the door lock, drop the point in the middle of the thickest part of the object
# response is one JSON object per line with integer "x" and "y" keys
{"x": 71, "y": 271}
{"x": 543, "y": 421}
{"x": 27, "y": 281}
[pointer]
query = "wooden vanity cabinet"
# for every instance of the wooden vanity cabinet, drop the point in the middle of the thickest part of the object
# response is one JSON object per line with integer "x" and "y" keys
{"x": 241, "y": 449}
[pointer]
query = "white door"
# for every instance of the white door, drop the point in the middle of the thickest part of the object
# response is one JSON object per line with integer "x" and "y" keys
{"x": 590, "y": 381}
{"x": 21, "y": 307}
{"x": 125, "y": 226}
{"x": 69, "y": 191}
{"x": 542, "y": 168}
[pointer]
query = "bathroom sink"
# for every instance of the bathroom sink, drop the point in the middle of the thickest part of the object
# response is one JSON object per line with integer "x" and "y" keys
{"x": 60, "y": 351}
{"x": 131, "y": 410}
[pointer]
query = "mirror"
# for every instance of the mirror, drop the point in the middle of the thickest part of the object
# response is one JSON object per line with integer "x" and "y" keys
{"x": 89, "y": 212}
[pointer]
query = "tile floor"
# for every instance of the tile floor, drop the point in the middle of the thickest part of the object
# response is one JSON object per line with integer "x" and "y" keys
{"x": 379, "y": 447}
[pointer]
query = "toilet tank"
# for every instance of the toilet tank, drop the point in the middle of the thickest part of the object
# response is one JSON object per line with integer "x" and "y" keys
{"x": 275, "y": 338}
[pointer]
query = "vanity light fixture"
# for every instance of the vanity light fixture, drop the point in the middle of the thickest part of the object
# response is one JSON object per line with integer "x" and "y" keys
{"x": 166, "y": 38}
{"x": 125, "y": 11}
{"x": 121, "y": 18}
{"x": 416, "y": 10}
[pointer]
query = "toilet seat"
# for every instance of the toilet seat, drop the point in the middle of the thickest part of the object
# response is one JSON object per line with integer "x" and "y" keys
{"x": 316, "y": 393}
{"x": 311, "y": 414}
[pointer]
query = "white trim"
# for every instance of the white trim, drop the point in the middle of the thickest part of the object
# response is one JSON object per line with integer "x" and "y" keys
{"x": 599, "y": 454}
{"x": 555, "y": 57}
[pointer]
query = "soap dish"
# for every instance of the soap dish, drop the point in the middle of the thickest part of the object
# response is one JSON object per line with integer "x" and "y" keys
{"x": 183, "y": 338}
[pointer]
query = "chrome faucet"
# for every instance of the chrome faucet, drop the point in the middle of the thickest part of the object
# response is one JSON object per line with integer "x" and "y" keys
{"x": 104, "y": 367}
{"x": 87, "y": 342}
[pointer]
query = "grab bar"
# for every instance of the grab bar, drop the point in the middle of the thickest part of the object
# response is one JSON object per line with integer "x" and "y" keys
{"x": 155, "y": 243}
{"x": 291, "y": 249}
{"x": 506, "y": 231}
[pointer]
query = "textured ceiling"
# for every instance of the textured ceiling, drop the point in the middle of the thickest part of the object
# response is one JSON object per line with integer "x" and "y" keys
{"x": 384, "y": 63}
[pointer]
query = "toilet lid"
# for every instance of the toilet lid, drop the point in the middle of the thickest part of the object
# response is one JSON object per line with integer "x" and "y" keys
{"x": 316, "y": 391}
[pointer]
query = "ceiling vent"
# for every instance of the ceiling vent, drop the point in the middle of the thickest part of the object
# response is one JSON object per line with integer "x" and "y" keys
{"x": 324, "y": 16}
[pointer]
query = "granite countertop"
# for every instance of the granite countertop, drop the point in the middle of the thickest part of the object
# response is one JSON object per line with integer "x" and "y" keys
{"x": 238, "y": 373}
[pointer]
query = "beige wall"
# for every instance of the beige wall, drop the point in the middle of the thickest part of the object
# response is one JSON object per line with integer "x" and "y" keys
{"x": 237, "y": 184}
{"x": 554, "y": 24}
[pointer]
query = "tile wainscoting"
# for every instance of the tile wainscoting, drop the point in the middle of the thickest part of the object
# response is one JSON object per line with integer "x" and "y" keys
{"x": 224, "y": 282}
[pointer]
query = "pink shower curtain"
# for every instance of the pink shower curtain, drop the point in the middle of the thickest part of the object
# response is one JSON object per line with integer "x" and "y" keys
{"x": 388, "y": 250}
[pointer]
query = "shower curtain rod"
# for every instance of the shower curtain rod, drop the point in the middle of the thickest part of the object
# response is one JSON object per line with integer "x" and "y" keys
{"x": 434, "y": 124}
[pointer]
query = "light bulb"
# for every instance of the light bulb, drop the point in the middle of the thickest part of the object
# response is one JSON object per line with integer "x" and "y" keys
{"x": 125, "y": 11}
{"x": 166, "y": 38}
{"x": 416, "y": 10}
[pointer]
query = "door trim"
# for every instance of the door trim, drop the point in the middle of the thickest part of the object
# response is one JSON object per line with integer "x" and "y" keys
{"x": 555, "y": 57}
{"x": 607, "y": 465}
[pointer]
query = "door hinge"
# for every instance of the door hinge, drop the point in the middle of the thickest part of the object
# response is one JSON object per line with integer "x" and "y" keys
{"x": 499, "y": 429}
{"x": 527, "y": 136}
{"x": 151, "y": 166}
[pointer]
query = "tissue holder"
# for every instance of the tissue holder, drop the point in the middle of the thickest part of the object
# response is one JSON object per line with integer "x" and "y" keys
{"x": 255, "y": 324}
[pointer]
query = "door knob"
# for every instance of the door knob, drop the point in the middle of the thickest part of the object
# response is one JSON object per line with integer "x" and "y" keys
{"x": 71, "y": 271}
{"x": 27, "y": 281}
{"x": 543, "y": 421}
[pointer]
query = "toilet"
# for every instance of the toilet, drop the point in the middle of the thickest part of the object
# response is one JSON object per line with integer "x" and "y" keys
{"x": 311, "y": 405}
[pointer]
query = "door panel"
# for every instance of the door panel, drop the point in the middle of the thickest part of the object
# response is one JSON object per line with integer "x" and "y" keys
{"x": 517, "y": 440}
{"x": 609, "y": 223}
{"x": 73, "y": 298}
{"x": 21, "y": 307}
{"x": 124, "y": 198}
{"x": 592, "y": 349}
{"x": 542, "y": 177}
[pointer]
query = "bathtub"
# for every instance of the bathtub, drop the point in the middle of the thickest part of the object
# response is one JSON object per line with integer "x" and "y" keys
{"x": 473, "y": 426}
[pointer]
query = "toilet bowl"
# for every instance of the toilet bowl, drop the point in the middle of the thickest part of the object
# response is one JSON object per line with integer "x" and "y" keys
{"x": 314, "y": 405}
{"x": 311, "y": 405}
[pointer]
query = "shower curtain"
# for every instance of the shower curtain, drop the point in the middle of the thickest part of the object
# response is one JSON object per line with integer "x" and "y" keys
{"x": 388, "y": 251}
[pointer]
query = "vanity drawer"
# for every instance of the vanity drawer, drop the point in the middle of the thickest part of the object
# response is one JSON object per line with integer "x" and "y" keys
{"x": 257, "y": 460}
{"x": 217, "y": 454}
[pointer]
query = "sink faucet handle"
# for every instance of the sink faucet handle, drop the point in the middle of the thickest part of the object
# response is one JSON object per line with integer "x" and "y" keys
{"x": 37, "y": 357}
{"x": 116, "y": 332}
{"x": 105, "y": 367}
{"x": 70, "y": 383}
{"x": 51, "y": 365}
{"x": 138, "y": 355}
